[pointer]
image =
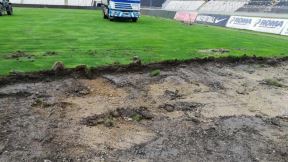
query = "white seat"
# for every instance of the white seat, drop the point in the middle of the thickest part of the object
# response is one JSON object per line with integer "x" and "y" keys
{"x": 183, "y": 5}
{"x": 222, "y": 6}
{"x": 55, "y": 2}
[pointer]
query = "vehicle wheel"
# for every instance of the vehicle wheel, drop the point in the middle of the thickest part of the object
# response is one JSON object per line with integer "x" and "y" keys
{"x": 105, "y": 16}
{"x": 134, "y": 19}
{"x": 110, "y": 18}
{"x": 1, "y": 9}
{"x": 9, "y": 10}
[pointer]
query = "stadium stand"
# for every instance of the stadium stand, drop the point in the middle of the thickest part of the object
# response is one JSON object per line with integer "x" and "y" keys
{"x": 55, "y": 2}
{"x": 222, "y": 6}
{"x": 181, "y": 5}
{"x": 16, "y": 1}
{"x": 282, "y": 4}
{"x": 265, "y": 6}
{"x": 80, "y": 2}
{"x": 159, "y": 13}
{"x": 280, "y": 7}
{"x": 256, "y": 6}
{"x": 152, "y": 3}
{"x": 202, "y": 6}
{"x": 227, "y": 6}
{"x": 144, "y": 3}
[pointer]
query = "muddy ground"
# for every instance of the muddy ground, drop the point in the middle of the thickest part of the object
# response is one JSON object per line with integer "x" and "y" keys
{"x": 191, "y": 112}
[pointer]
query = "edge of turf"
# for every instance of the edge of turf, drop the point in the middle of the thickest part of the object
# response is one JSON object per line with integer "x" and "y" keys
{"x": 83, "y": 71}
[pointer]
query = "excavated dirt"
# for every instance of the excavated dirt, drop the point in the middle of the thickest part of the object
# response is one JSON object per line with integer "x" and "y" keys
{"x": 208, "y": 111}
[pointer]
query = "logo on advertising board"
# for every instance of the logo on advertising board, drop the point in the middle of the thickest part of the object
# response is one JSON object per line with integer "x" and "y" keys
{"x": 270, "y": 25}
{"x": 205, "y": 18}
{"x": 267, "y": 25}
{"x": 241, "y": 21}
{"x": 219, "y": 20}
{"x": 264, "y": 23}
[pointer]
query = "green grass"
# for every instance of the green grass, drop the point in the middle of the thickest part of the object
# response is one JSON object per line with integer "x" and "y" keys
{"x": 83, "y": 37}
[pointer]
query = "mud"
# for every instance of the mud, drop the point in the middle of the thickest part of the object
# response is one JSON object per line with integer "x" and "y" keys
{"x": 18, "y": 55}
{"x": 191, "y": 111}
{"x": 215, "y": 51}
{"x": 50, "y": 53}
{"x": 108, "y": 119}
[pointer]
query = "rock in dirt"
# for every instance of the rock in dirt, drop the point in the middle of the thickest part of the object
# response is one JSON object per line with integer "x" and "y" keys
{"x": 273, "y": 121}
{"x": 117, "y": 80}
{"x": 181, "y": 106}
{"x": 93, "y": 120}
{"x": 167, "y": 107}
{"x": 216, "y": 85}
{"x": 115, "y": 114}
{"x": 194, "y": 119}
{"x": 173, "y": 95}
{"x": 78, "y": 90}
{"x": 131, "y": 112}
{"x": 242, "y": 92}
{"x": 143, "y": 111}
{"x": 188, "y": 106}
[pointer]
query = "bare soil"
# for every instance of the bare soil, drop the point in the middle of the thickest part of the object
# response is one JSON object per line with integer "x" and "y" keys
{"x": 18, "y": 54}
{"x": 208, "y": 111}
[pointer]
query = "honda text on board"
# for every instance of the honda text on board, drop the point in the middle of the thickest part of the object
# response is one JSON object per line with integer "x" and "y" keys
{"x": 128, "y": 9}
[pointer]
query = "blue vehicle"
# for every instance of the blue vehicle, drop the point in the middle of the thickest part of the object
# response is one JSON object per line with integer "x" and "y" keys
{"x": 5, "y": 6}
{"x": 126, "y": 9}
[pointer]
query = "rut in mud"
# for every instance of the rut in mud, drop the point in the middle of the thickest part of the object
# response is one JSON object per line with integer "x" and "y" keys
{"x": 191, "y": 112}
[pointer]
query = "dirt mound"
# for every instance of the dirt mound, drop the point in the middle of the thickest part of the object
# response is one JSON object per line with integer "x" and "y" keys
{"x": 116, "y": 68}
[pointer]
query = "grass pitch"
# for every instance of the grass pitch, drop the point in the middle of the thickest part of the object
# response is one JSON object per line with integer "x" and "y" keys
{"x": 83, "y": 37}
